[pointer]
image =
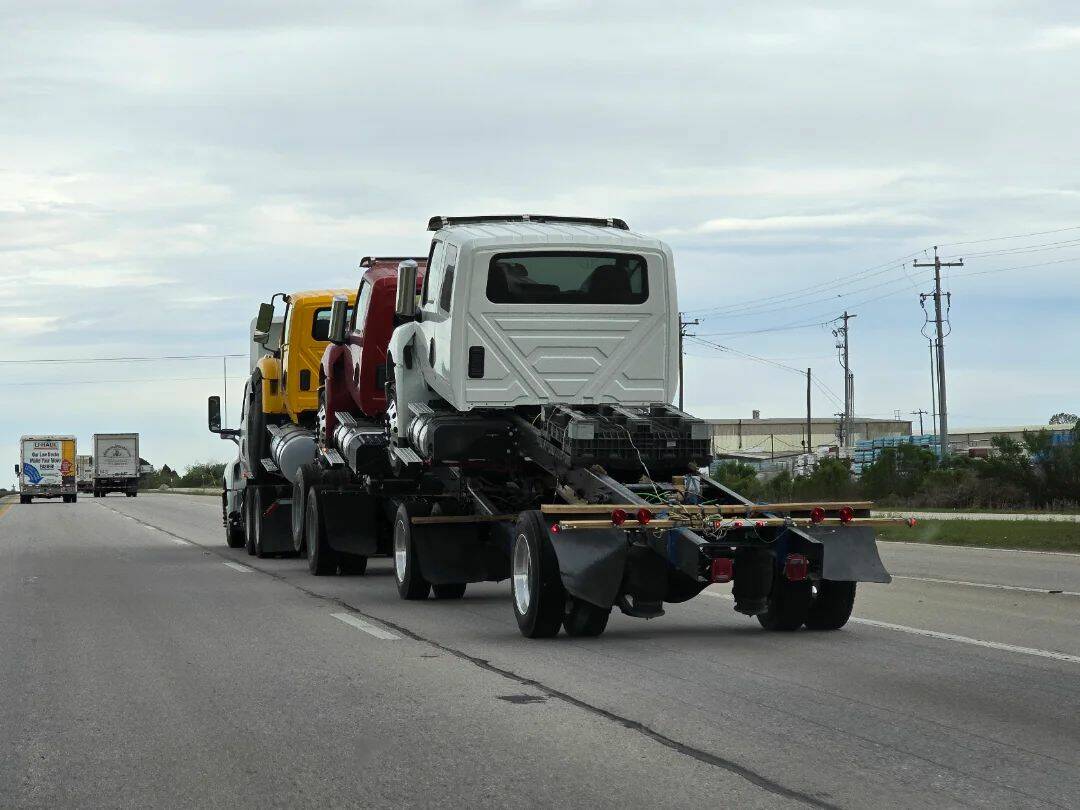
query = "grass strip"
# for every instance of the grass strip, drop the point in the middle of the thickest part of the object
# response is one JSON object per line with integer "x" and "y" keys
{"x": 1032, "y": 535}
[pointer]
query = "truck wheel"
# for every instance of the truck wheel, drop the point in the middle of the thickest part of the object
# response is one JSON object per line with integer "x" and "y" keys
{"x": 305, "y": 478}
{"x": 450, "y": 590}
{"x": 410, "y": 582}
{"x": 535, "y": 581}
{"x": 321, "y": 559}
{"x": 352, "y": 565}
{"x": 257, "y": 509}
{"x": 787, "y": 606}
{"x": 585, "y": 619}
{"x": 832, "y": 605}
{"x": 234, "y": 532}
{"x": 23, "y": 499}
{"x": 249, "y": 522}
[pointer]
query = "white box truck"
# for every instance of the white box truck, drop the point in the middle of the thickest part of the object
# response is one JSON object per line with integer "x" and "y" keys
{"x": 116, "y": 464}
{"x": 84, "y": 473}
{"x": 46, "y": 468}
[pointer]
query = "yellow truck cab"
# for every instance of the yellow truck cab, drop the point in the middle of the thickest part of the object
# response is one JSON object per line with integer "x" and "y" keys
{"x": 290, "y": 376}
{"x": 284, "y": 386}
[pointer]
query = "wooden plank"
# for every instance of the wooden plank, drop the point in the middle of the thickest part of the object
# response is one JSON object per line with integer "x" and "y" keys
{"x": 708, "y": 509}
{"x": 801, "y": 523}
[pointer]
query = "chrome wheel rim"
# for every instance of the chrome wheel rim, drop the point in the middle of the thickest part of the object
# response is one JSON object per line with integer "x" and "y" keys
{"x": 522, "y": 575}
{"x": 401, "y": 551}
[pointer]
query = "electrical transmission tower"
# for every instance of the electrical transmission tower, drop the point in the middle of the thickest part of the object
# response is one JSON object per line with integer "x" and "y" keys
{"x": 841, "y": 335}
{"x": 941, "y": 323}
{"x": 683, "y": 334}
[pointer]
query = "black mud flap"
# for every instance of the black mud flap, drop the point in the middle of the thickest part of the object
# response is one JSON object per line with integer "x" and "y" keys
{"x": 452, "y": 553}
{"x": 592, "y": 563}
{"x": 352, "y": 522}
{"x": 275, "y": 529}
{"x": 850, "y": 554}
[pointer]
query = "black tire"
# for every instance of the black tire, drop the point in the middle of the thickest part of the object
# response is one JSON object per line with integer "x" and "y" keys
{"x": 585, "y": 619}
{"x": 257, "y": 509}
{"x": 410, "y": 582}
{"x": 249, "y": 522}
{"x": 539, "y": 598}
{"x": 74, "y": 498}
{"x": 788, "y": 605}
{"x": 305, "y": 478}
{"x": 450, "y": 590}
{"x": 23, "y": 499}
{"x": 832, "y": 605}
{"x": 352, "y": 565}
{"x": 234, "y": 531}
{"x": 322, "y": 560}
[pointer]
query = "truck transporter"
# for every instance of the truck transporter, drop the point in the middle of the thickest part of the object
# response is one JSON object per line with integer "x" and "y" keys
{"x": 512, "y": 421}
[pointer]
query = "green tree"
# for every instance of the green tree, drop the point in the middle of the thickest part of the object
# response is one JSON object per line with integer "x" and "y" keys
{"x": 898, "y": 472}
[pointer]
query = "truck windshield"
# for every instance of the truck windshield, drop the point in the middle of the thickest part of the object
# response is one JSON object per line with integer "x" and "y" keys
{"x": 563, "y": 277}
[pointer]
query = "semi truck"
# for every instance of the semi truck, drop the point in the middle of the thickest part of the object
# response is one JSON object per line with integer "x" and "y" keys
{"x": 84, "y": 473}
{"x": 277, "y": 423}
{"x": 116, "y": 464}
{"x": 513, "y": 421}
{"x": 46, "y": 468}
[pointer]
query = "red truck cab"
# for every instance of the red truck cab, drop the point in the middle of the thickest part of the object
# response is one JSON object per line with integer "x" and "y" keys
{"x": 353, "y": 374}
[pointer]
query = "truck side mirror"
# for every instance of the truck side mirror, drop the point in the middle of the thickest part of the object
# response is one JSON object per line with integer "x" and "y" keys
{"x": 263, "y": 323}
{"x": 16, "y": 469}
{"x": 339, "y": 310}
{"x": 405, "y": 303}
{"x": 213, "y": 416}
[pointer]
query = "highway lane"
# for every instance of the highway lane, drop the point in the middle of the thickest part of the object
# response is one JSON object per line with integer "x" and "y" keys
{"x": 698, "y": 706}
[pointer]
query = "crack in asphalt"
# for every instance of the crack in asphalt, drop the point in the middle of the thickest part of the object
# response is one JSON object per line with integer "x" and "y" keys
{"x": 723, "y": 763}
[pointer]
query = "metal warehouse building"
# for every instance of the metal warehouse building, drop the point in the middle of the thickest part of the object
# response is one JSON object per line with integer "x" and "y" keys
{"x": 787, "y": 436}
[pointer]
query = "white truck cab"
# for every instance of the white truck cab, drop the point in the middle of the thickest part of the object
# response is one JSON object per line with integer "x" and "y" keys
{"x": 539, "y": 311}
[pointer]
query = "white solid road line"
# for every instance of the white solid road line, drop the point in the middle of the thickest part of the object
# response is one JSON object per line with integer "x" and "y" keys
{"x": 993, "y": 645}
{"x": 367, "y": 627}
{"x": 981, "y": 548}
{"x": 995, "y": 586}
{"x": 918, "y": 631}
{"x": 235, "y": 566}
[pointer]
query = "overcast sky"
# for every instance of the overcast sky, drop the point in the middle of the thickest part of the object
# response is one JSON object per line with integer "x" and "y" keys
{"x": 165, "y": 166}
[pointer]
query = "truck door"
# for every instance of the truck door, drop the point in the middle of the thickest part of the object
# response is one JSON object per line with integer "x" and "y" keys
{"x": 436, "y": 300}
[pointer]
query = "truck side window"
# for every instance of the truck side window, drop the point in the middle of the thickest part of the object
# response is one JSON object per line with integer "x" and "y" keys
{"x": 359, "y": 313}
{"x": 447, "y": 287}
{"x": 433, "y": 276}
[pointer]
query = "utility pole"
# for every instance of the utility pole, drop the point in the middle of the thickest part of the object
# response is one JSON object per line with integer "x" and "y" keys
{"x": 943, "y": 411}
{"x": 683, "y": 334}
{"x": 809, "y": 423}
{"x": 933, "y": 390}
{"x": 841, "y": 335}
{"x": 224, "y": 393}
{"x": 919, "y": 413}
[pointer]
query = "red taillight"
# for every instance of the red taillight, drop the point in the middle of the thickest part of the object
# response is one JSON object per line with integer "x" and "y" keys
{"x": 760, "y": 524}
{"x": 722, "y": 569}
{"x": 554, "y": 528}
{"x": 618, "y": 516}
{"x": 847, "y": 514}
{"x": 796, "y": 568}
{"x": 270, "y": 509}
{"x": 643, "y": 516}
{"x": 911, "y": 522}
{"x": 817, "y": 514}
{"x": 737, "y": 524}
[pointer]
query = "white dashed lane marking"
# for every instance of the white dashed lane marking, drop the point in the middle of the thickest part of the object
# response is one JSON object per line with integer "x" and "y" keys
{"x": 367, "y": 627}
{"x": 235, "y": 566}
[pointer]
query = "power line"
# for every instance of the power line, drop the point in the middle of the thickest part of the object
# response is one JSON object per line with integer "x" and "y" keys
{"x": 1011, "y": 236}
{"x": 115, "y": 382}
{"x": 123, "y": 359}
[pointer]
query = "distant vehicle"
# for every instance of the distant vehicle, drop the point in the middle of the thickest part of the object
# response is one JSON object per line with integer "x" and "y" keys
{"x": 116, "y": 464}
{"x": 47, "y": 468}
{"x": 84, "y": 473}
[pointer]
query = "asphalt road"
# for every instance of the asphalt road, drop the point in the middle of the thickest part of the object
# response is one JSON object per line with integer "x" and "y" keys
{"x": 144, "y": 664}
